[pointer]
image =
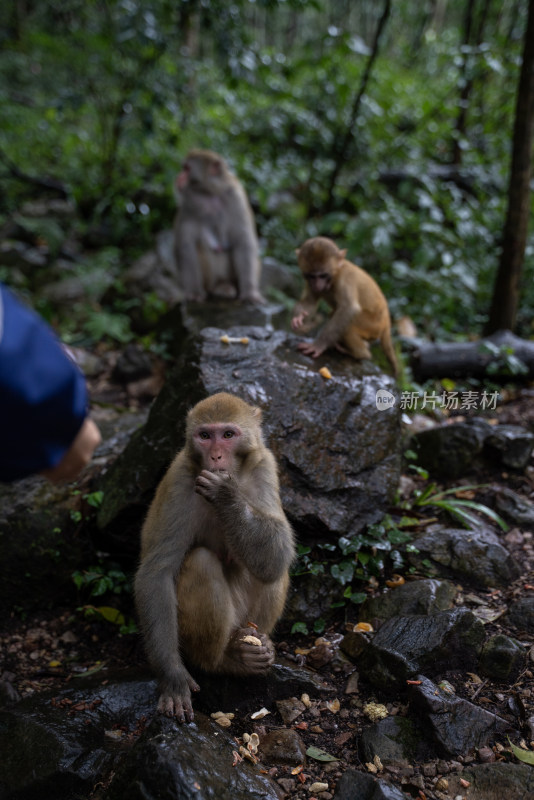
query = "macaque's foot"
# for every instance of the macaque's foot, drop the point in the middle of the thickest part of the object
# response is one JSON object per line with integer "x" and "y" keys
{"x": 345, "y": 351}
{"x": 225, "y": 291}
{"x": 256, "y": 298}
{"x": 175, "y": 701}
{"x": 243, "y": 656}
{"x": 198, "y": 297}
{"x": 311, "y": 349}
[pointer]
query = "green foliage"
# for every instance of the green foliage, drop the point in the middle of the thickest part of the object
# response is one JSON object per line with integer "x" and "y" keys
{"x": 454, "y": 501}
{"x": 103, "y": 580}
{"x": 458, "y": 508}
{"x": 504, "y": 360}
{"x": 107, "y": 98}
{"x": 356, "y": 559}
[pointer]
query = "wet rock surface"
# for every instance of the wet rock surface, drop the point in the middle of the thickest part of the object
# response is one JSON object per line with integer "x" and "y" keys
{"x": 404, "y": 646}
{"x": 477, "y": 554}
{"x": 450, "y": 450}
{"x": 330, "y": 440}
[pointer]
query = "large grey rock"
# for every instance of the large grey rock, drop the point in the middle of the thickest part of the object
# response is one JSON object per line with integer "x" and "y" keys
{"x": 424, "y": 596}
{"x": 500, "y": 781}
{"x": 510, "y": 445}
{"x": 338, "y": 454}
{"x": 397, "y": 741}
{"x": 189, "y": 761}
{"x": 456, "y": 725}
{"x": 516, "y": 509}
{"x": 449, "y": 451}
{"x": 39, "y": 548}
{"x": 49, "y": 752}
{"x": 521, "y": 615}
{"x": 405, "y": 646}
{"x": 62, "y": 747}
{"x": 354, "y": 785}
{"x": 474, "y": 555}
{"x": 501, "y": 657}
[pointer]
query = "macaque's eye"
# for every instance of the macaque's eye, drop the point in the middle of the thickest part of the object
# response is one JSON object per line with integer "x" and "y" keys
{"x": 204, "y": 435}
{"x": 317, "y": 276}
{"x": 228, "y": 435}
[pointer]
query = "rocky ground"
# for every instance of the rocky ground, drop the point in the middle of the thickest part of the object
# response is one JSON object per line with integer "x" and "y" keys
{"x": 61, "y": 647}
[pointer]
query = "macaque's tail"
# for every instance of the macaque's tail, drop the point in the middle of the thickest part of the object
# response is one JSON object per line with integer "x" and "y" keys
{"x": 389, "y": 350}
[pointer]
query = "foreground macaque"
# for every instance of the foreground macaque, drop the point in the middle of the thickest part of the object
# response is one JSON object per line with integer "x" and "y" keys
{"x": 360, "y": 310}
{"x": 215, "y": 552}
{"x": 215, "y": 239}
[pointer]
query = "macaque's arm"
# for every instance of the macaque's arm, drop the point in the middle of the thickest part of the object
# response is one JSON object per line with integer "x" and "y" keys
{"x": 256, "y": 536}
{"x": 306, "y": 307}
{"x": 245, "y": 252}
{"x": 155, "y": 595}
{"x": 347, "y": 308}
{"x": 188, "y": 262}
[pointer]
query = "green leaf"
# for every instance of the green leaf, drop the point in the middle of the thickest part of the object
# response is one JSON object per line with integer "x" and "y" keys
{"x": 319, "y": 625}
{"x": 358, "y": 597}
{"x": 343, "y": 572}
{"x": 111, "y": 614}
{"x": 95, "y": 499}
{"x": 91, "y": 671}
{"x": 320, "y": 755}
{"x": 300, "y": 627}
{"x": 523, "y": 755}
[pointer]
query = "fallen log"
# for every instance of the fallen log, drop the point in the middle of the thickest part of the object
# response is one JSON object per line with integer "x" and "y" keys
{"x": 500, "y": 356}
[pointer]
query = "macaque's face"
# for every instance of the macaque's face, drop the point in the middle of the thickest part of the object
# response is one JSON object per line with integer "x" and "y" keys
{"x": 217, "y": 445}
{"x": 201, "y": 171}
{"x": 319, "y": 282}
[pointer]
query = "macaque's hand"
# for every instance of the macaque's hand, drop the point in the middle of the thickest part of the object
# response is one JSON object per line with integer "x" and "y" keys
{"x": 312, "y": 349}
{"x": 77, "y": 456}
{"x": 175, "y": 697}
{"x": 298, "y": 320}
{"x": 212, "y": 486}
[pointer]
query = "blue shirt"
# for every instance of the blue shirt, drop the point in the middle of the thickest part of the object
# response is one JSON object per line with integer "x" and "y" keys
{"x": 43, "y": 395}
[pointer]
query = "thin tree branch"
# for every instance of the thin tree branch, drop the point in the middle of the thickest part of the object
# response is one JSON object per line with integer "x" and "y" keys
{"x": 341, "y": 149}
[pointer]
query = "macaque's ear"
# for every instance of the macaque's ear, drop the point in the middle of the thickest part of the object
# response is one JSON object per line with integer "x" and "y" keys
{"x": 297, "y": 251}
{"x": 257, "y": 415}
{"x": 343, "y": 253}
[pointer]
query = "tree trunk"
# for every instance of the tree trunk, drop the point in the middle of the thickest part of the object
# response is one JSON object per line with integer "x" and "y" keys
{"x": 505, "y": 298}
{"x": 495, "y": 357}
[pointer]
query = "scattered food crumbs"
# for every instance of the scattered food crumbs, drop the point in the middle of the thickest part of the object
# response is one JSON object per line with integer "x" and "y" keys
{"x": 251, "y": 640}
{"x": 260, "y": 714}
{"x": 224, "y": 719}
{"x": 333, "y": 705}
{"x": 325, "y": 373}
{"x": 364, "y": 626}
{"x": 234, "y": 339}
{"x": 375, "y": 711}
{"x": 318, "y": 787}
{"x": 114, "y": 734}
{"x": 396, "y": 580}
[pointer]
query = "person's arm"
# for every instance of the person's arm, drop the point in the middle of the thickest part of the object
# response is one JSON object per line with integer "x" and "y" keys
{"x": 43, "y": 400}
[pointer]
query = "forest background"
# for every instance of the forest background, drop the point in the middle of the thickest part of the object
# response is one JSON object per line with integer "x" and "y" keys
{"x": 385, "y": 125}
